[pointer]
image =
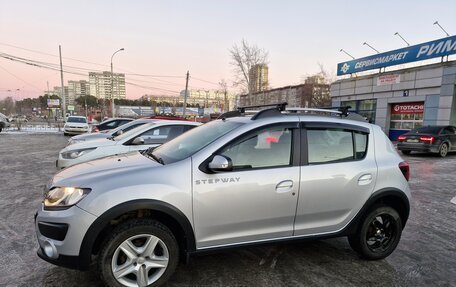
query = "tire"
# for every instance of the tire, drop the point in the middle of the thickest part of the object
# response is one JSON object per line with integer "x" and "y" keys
{"x": 65, "y": 134}
{"x": 378, "y": 234}
{"x": 406, "y": 152}
{"x": 134, "y": 237}
{"x": 443, "y": 150}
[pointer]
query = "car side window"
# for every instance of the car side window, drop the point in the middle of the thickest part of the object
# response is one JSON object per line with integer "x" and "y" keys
{"x": 162, "y": 134}
{"x": 111, "y": 125}
{"x": 333, "y": 145}
{"x": 261, "y": 149}
{"x": 448, "y": 131}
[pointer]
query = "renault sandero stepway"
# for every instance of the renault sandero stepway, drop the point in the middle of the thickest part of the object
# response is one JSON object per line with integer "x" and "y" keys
{"x": 277, "y": 175}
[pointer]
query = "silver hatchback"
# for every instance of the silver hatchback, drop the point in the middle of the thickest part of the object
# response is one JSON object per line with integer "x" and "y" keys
{"x": 274, "y": 176}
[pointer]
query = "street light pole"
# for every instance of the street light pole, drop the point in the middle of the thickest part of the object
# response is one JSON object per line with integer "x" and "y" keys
{"x": 112, "y": 82}
{"x": 397, "y": 33}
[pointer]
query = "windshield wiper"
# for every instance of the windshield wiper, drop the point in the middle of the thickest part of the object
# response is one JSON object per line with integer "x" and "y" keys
{"x": 148, "y": 153}
{"x": 111, "y": 138}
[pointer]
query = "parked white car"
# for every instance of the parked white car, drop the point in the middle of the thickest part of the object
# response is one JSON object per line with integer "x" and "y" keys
{"x": 75, "y": 125}
{"x": 4, "y": 122}
{"x": 137, "y": 139}
{"x": 110, "y": 133}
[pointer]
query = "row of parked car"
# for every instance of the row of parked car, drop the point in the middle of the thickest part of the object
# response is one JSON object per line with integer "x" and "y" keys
{"x": 120, "y": 136}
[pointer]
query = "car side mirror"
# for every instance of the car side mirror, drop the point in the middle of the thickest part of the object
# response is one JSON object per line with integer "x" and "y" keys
{"x": 220, "y": 163}
{"x": 118, "y": 133}
{"x": 138, "y": 141}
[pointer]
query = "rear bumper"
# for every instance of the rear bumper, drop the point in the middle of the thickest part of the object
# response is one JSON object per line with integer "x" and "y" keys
{"x": 422, "y": 147}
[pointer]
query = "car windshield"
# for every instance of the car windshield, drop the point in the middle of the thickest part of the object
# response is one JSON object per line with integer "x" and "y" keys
{"x": 427, "y": 130}
{"x": 76, "y": 120}
{"x": 132, "y": 131}
{"x": 193, "y": 141}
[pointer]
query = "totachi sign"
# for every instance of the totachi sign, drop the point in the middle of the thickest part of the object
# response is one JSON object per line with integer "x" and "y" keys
{"x": 408, "y": 108}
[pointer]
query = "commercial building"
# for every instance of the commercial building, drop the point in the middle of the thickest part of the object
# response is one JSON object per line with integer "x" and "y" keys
{"x": 100, "y": 85}
{"x": 258, "y": 78}
{"x": 403, "y": 99}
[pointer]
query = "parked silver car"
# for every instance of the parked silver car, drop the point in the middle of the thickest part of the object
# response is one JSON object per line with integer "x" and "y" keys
{"x": 240, "y": 180}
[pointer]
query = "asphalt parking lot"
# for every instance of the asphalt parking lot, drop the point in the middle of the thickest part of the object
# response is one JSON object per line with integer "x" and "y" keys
{"x": 426, "y": 255}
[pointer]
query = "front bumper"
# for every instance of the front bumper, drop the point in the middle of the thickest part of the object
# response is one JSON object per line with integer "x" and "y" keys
{"x": 75, "y": 131}
{"x": 67, "y": 250}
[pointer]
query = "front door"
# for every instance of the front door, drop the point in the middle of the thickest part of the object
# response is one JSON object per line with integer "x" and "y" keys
{"x": 257, "y": 199}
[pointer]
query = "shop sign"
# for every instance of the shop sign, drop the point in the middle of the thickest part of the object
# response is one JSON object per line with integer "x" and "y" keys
{"x": 388, "y": 79}
{"x": 408, "y": 108}
{"x": 433, "y": 49}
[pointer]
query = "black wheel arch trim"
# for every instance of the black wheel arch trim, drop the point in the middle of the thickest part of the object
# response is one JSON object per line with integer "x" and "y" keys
{"x": 85, "y": 253}
{"x": 376, "y": 196}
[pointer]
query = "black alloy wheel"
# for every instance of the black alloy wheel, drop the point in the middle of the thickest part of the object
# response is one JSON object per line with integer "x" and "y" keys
{"x": 378, "y": 234}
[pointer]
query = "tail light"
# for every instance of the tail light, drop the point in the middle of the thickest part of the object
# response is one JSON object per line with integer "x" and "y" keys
{"x": 401, "y": 138}
{"x": 405, "y": 169}
{"x": 427, "y": 139}
{"x": 95, "y": 130}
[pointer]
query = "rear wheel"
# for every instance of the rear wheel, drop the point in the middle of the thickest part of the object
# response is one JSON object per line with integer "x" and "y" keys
{"x": 443, "y": 150}
{"x": 406, "y": 152}
{"x": 378, "y": 234}
{"x": 139, "y": 252}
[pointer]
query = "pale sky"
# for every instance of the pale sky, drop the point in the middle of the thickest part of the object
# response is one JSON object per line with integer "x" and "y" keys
{"x": 169, "y": 37}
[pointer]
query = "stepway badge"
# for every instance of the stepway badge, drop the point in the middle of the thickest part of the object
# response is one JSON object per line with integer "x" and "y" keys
{"x": 438, "y": 48}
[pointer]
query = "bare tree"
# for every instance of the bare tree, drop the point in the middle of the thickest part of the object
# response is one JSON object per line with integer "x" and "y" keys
{"x": 243, "y": 57}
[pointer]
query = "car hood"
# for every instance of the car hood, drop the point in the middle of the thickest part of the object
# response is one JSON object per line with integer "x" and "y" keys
{"x": 89, "y": 144}
{"x": 84, "y": 174}
{"x": 91, "y": 136}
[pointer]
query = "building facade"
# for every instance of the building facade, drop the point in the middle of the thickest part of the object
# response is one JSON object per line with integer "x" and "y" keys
{"x": 402, "y": 100}
{"x": 304, "y": 95}
{"x": 100, "y": 85}
{"x": 258, "y": 78}
{"x": 77, "y": 89}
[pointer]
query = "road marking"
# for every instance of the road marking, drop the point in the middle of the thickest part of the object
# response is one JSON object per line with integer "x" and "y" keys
{"x": 453, "y": 200}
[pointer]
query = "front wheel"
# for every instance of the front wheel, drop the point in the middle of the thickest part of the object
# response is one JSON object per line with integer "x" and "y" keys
{"x": 378, "y": 234}
{"x": 139, "y": 252}
{"x": 443, "y": 150}
{"x": 406, "y": 152}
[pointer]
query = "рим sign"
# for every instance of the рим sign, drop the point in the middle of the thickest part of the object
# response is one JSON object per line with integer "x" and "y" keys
{"x": 438, "y": 48}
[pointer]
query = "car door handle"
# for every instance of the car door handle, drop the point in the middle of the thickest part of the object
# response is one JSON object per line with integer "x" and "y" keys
{"x": 365, "y": 179}
{"x": 284, "y": 186}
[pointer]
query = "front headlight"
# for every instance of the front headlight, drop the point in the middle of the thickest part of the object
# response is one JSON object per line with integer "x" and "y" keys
{"x": 72, "y": 154}
{"x": 63, "y": 197}
{"x": 73, "y": 141}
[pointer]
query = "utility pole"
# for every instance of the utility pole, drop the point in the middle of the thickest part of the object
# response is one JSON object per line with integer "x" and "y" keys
{"x": 185, "y": 95}
{"x": 61, "y": 82}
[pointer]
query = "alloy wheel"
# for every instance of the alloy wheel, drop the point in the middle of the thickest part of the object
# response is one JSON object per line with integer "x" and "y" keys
{"x": 380, "y": 233}
{"x": 443, "y": 150}
{"x": 140, "y": 260}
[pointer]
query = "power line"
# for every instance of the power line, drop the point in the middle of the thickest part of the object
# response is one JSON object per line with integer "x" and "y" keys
{"x": 19, "y": 78}
{"x": 204, "y": 81}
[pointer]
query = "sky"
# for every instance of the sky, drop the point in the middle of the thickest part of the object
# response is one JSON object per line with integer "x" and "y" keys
{"x": 165, "y": 39}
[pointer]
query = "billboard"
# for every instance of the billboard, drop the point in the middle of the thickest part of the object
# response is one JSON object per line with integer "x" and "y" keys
{"x": 433, "y": 49}
{"x": 52, "y": 103}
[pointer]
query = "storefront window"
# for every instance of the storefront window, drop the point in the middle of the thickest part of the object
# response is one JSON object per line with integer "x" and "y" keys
{"x": 366, "y": 108}
{"x": 405, "y": 117}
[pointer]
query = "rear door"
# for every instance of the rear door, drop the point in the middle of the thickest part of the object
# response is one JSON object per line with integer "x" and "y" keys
{"x": 337, "y": 177}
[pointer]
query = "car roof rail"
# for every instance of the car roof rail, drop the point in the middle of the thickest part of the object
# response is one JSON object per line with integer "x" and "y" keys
{"x": 342, "y": 112}
{"x": 275, "y": 109}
